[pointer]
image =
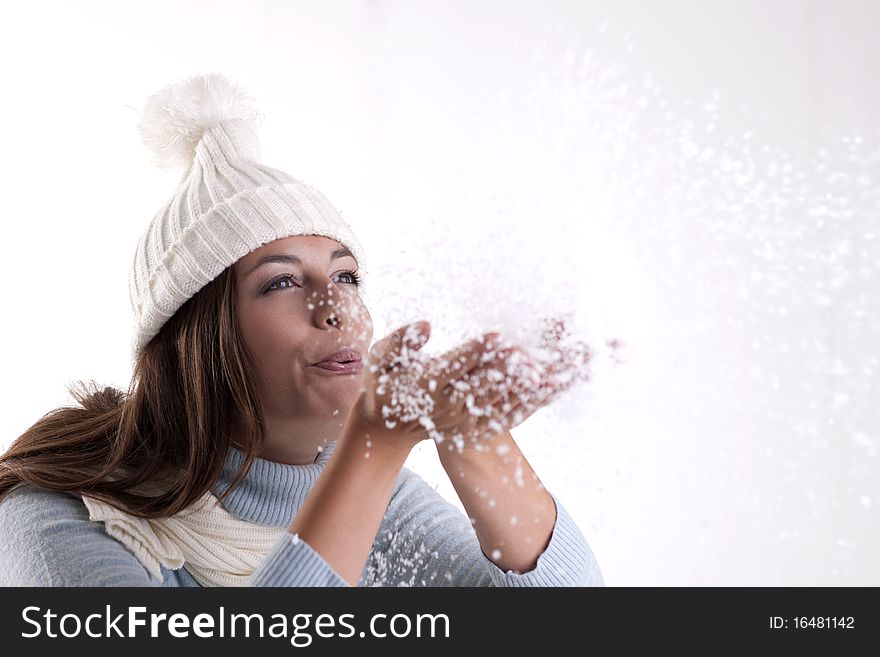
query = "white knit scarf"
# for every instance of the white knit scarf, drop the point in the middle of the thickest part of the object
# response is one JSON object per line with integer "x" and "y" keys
{"x": 217, "y": 548}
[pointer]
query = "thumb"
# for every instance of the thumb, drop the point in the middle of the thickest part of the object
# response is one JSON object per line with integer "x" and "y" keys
{"x": 416, "y": 335}
{"x": 396, "y": 346}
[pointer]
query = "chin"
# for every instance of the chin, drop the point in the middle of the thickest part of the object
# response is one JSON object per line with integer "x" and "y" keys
{"x": 345, "y": 402}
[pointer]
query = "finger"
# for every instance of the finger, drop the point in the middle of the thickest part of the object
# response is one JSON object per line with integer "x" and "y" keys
{"x": 554, "y": 329}
{"x": 524, "y": 373}
{"x": 464, "y": 408}
{"x": 488, "y": 400}
{"x": 456, "y": 363}
{"x": 509, "y": 413}
{"x": 490, "y": 383}
{"x": 398, "y": 346}
{"x": 476, "y": 407}
{"x": 509, "y": 372}
{"x": 528, "y": 397}
{"x": 505, "y": 415}
{"x": 572, "y": 366}
{"x": 485, "y": 383}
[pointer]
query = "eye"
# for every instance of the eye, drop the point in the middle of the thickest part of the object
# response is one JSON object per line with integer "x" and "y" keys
{"x": 355, "y": 278}
{"x": 285, "y": 281}
{"x": 275, "y": 284}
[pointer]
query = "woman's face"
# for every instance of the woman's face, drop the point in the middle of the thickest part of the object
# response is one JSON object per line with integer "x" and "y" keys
{"x": 297, "y": 302}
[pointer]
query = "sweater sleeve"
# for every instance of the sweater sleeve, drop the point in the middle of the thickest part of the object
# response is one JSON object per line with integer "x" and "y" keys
{"x": 47, "y": 539}
{"x": 292, "y": 562}
{"x": 426, "y": 541}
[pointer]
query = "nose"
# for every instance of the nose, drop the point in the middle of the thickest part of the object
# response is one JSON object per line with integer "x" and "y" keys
{"x": 327, "y": 310}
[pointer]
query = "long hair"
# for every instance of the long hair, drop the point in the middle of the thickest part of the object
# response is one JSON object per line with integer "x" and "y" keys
{"x": 192, "y": 396}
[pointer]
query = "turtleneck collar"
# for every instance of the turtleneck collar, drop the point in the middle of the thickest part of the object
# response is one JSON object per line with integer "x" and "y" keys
{"x": 271, "y": 493}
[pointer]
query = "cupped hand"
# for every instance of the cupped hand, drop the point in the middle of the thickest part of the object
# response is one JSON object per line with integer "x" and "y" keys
{"x": 476, "y": 390}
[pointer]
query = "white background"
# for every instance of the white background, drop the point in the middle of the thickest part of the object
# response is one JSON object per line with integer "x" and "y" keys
{"x": 696, "y": 179}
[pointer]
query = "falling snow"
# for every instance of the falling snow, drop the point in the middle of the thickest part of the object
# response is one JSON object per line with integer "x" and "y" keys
{"x": 716, "y": 287}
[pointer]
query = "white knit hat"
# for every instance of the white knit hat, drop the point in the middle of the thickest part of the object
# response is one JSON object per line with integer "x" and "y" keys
{"x": 226, "y": 205}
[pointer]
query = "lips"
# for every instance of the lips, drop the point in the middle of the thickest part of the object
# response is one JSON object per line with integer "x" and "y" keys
{"x": 351, "y": 366}
{"x": 345, "y": 356}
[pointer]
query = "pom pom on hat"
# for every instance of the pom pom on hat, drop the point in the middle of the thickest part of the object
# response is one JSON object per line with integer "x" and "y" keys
{"x": 175, "y": 118}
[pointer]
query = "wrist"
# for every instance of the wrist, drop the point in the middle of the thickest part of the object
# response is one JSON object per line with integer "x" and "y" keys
{"x": 373, "y": 439}
{"x": 496, "y": 446}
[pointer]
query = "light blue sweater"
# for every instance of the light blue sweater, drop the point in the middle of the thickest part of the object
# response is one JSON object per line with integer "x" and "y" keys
{"x": 47, "y": 539}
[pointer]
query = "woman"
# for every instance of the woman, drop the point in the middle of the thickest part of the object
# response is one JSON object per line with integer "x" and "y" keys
{"x": 262, "y": 441}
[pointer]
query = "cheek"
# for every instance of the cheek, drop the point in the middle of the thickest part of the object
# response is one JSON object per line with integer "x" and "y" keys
{"x": 364, "y": 321}
{"x": 367, "y": 329}
{"x": 269, "y": 336}
{"x": 253, "y": 332}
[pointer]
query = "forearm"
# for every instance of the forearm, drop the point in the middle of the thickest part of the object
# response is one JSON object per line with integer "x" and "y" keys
{"x": 342, "y": 513}
{"x": 513, "y": 514}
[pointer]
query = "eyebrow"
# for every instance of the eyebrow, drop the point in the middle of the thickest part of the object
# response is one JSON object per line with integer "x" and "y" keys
{"x": 290, "y": 259}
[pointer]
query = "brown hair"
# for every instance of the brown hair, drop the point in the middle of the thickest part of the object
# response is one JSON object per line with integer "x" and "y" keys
{"x": 191, "y": 397}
